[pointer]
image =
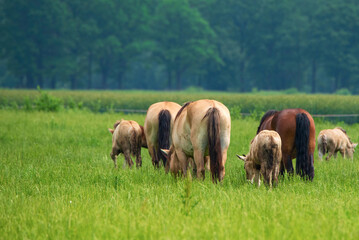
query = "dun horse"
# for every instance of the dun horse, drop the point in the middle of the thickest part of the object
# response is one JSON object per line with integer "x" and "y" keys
{"x": 264, "y": 158}
{"x": 297, "y": 131}
{"x": 158, "y": 127}
{"x": 335, "y": 140}
{"x": 201, "y": 128}
{"x": 127, "y": 138}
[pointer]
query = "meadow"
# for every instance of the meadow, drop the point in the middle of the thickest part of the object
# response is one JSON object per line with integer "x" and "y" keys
{"x": 57, "y": 181}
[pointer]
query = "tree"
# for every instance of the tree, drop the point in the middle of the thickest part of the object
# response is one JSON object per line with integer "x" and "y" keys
{"x": 184, "y": 39}
{"x": 32, "y": 38}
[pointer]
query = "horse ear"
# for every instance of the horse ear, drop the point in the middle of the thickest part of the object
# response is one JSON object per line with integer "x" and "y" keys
{"x": 355, "y": 144}
{"x": 165, "y": 152}
{"x": 241, "y": 157}
{"x": 111, "y": 130}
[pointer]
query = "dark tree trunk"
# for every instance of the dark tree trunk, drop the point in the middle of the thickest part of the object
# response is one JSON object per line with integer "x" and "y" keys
{"x": 335, "y": 84}
{"x": 242, "y": 84}
{"x": 314, "y": 75}
{"x": 169, "y": 79}
{"x": 73, "y": 82}
{"x": 104, "y": 79}
{"x": 178, "y": 80}
{"x": 89, "y": 71}
{"x": 119, "y": 80}
{"x": 53, "y": 83}
{"x": 40, "y": 80}
{"x": 30, "y": 83}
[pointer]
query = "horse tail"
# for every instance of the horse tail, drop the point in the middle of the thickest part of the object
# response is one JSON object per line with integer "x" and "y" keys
{"x": 303, "y": 165}
{"x": 164, "y": 130}
{"x": 214, "y": 142}
{"x": 322, "y": 146}
{"x": 134, "y": 142}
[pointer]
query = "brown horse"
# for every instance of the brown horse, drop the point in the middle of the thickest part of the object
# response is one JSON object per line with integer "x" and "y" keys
{"x": 297, "y": 131}
{"x": 158, "y": 127}
{"x": 201, "y": 128}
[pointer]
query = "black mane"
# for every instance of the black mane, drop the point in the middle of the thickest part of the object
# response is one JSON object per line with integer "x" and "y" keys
{"x": 183, "y": 107}
{"x": 265, "y": 116}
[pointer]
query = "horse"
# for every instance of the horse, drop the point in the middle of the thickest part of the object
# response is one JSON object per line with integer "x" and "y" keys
{"x": 201, "y": 129}
{"x": 127, "y": 138}
{"x": 158, "y": 127}
{"x": 264, "y": 158}
{"x": 297, "y": 131}
{"x": 333, "y": 141}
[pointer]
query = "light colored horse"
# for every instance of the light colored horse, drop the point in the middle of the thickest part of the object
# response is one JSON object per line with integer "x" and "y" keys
{"x": 335, "y": 140}
{"x": 264, "y": 157}
{"x": 127, "y": 138}
{"x": 201, "y": 128}
{"x": 158, "y": 127}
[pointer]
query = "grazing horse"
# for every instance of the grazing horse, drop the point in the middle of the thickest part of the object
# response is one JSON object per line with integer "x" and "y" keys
{"x": 158, "y": 127}
{"x": 297, "y": 131}
{"x": 264, "y": 158}
{"x": 201, "y": 128}
{"x": 127, "y": 138}
{"x": 333, "y": 141}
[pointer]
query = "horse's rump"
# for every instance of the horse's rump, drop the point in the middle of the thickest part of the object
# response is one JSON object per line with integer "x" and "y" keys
{"x": 322, "y": 144}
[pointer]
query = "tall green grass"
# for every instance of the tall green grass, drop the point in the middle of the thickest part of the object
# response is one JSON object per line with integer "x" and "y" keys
{"x": 57, "y": 181}
{"x": 107, "y": 101}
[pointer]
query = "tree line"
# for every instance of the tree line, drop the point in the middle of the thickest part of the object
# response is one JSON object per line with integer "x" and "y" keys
{"x": 235, "y": 45}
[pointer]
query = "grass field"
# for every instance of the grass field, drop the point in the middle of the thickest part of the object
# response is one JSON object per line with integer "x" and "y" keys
{"x": 57, "y": 181}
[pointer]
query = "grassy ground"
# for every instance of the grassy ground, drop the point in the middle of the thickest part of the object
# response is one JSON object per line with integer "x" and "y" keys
{"x": 57, "y": 181}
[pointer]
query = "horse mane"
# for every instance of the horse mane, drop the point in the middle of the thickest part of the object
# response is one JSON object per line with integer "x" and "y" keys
{"x": 181, "y": 109}
{"x": 265, "y": 116}
{"x": 116, "y": 124}
{"x": 345, "y": 132}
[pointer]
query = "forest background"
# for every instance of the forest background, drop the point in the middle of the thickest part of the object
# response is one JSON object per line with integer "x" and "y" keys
{"x": 228, "y": 45}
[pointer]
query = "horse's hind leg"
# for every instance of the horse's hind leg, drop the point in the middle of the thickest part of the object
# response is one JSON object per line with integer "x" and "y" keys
{"x": 138, "y": 158}
{"x": 281, "y": 169}
{"x": 182, "y": 159}
{"x": 113, "y": 155}
{"x": 330, "y": 154}
{"x": 287, "y": 160}
{"x": 199, "y": 161}
{"x": 154, "y": 155}
{"x": 128, "y": 158}
{"x": 311, "y": 167}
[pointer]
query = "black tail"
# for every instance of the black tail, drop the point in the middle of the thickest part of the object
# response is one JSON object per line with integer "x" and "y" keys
{"x": 214, "y": 142}
{"x": 164, "y": 129}
{"x": 303, "y": 166}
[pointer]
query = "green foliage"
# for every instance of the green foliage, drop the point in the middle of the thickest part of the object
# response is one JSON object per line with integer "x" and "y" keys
{"x": 46, "y": 102}
{"x": 343, "y": 91}
{"x": 58, "y": 182}
{"x": 235, "y": 112}
{"x": 255, "y": 104}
